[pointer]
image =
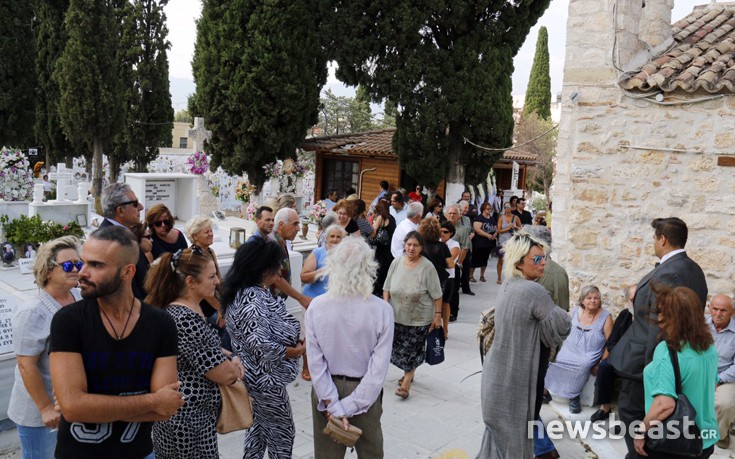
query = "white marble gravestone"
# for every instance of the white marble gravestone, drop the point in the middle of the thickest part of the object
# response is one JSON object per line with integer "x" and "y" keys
{"x": 178, "y": 192}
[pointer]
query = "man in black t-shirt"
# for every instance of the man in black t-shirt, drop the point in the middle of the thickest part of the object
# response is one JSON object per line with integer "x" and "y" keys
{"x": 524, "y": 215}
{"x": 113, "y": 358}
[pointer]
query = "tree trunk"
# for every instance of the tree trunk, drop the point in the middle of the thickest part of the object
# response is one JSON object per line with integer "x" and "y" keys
{"x": 98, "y": 174}
{"x": 455, "y": 177}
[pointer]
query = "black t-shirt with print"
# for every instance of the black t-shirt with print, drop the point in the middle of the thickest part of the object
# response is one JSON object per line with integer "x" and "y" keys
{"x": 113, "y": 367}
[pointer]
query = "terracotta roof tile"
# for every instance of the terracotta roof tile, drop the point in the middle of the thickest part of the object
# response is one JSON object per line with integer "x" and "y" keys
{"x": 380, "y": 143}
{"x": 702, "y": 56}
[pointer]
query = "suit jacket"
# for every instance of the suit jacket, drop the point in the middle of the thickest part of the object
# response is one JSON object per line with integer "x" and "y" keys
{"x": 141, "y": 269}
{"x": 635, "y": 348}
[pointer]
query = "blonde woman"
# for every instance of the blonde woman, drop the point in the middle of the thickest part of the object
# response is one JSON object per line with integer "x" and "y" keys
{"x": 31, "y": 403}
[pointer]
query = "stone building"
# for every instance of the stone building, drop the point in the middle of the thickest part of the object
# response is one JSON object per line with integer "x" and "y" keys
{"x": 647, "y": 130}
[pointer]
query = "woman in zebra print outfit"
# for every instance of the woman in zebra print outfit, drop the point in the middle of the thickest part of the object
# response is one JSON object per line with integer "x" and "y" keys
{"x": 266, "y": 337}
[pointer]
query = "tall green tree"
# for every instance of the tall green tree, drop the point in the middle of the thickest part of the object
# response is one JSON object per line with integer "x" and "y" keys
{"x": 343, "y": 115}
{"x": 50, "y": 42}
{"x": 17, "y": 73}
{"x": 259, "y": 69}
{"x": 538, "y": 92}
{"x": 448, "y": 66}
{"x": 88, "y": 76}
{"x": 144, "y": 70}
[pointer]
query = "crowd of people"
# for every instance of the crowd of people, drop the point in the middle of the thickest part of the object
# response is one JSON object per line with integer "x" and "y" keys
{"x": 146, "y": 314}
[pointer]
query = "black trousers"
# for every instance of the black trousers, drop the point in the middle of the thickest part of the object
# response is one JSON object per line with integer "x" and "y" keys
{"x": 454, "y": 301}
{"x": 631, "y": 407}
{"x": 466, "y": 266}
{"x": 605, "y": 383}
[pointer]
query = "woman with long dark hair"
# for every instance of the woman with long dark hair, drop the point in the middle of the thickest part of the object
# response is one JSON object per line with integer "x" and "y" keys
{"x": 266, "y": 336}
{"x": 178, "y": 283}
{"x": 684, "y": 331}
{"x": 384, "y": 225}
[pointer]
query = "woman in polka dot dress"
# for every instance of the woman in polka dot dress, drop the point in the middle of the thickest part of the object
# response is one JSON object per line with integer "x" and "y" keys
{"x": 178, "y": 283}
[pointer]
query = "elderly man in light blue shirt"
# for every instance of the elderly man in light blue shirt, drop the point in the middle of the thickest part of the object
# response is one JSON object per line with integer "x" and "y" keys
{"x": 349, "y": 337}
{"x": 722, "y": 327}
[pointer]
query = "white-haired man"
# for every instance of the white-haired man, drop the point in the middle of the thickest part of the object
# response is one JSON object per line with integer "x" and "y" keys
{"x": 722, "y": 327}
{"x": 411, "y": 223}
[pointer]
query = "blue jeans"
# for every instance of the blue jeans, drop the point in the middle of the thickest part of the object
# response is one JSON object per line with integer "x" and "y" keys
{"x": 37, "y": 442}
{"x": 542, "y": 444}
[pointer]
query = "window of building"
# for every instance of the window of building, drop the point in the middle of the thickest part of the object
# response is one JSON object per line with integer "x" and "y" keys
{"x": 182, "y": 142}
{"x": 340, "y": 175}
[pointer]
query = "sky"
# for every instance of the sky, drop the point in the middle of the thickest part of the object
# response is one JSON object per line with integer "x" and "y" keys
{"x": 182, "y": 15}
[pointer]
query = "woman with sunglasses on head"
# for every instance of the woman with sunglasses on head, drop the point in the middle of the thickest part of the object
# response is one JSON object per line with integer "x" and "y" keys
{"x": 527, "y": 325}
{"x": 31, "y": 403}
{"x": 178, "y": 283}
{"x": 165, "y": 237}
{"x": 507, "y": 225}
{"x": 582, "y": 350}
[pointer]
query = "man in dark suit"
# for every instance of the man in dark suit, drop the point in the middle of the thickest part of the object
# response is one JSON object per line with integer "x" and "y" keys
{"x": 635, "y": 349}
{"x": 121, "y": 207}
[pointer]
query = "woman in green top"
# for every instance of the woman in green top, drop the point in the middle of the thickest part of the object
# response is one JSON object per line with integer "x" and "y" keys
{"x": 412, "y": 286}
{"x": 684, "y": 330}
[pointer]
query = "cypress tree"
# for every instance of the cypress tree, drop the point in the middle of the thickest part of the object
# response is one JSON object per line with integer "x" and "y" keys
{"x": 50, "y": 42}
{"x": 88, "y": 77}
{"x": 447, "y": 65}
{"x": 259, "y": 68}
{"x": 538, "y": 93}
{"x": 17, "y": 73}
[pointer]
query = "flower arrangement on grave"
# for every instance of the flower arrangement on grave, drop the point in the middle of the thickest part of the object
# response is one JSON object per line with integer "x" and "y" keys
{"x": 33, "y": 230}
{"x": 250, "y": 211}
{"x": 213, "y": 183}
{"x": 244, "y": 191}
{"x": 198, "y": 163}
{"x": 317, "y": 212}
{"x": 16, "y": 176}
{"x": 289, "y": 166}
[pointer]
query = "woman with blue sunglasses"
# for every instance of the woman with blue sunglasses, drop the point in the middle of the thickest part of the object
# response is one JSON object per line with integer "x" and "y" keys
{"x": 31, "y": 404}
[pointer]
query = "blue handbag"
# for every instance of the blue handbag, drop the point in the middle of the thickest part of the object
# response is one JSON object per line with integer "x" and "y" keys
{"x": 435, "y": 346}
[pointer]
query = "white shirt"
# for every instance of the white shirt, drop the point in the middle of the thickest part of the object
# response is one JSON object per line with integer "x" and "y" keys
{"x": 451, "y": 243}
{"x": 671, "y": 254}
{"x": 399, "y": 236}
{"x": 398, "y": 215}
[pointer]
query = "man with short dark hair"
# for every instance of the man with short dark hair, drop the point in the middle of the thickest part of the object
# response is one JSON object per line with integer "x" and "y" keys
{"x": 722, "y": 326}
{"x": 397, "y": 208}
{"x": 108, "y": 346}
{"x": 524, "y": 215}
{"x": 331, "y": 199}
{"x": 263, "y": 222}
{"x": 383, "y": 193}
{"x": 472, "y": 209}
{"x": 635, "y": 349}
{"x": 121, "y": 207}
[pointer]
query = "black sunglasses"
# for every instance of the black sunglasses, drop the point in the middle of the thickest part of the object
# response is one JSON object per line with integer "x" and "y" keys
{"x": 68, "y": 266}
{"x": 134, "y": 203}
{"x": 176, "y": 257}
{"x": 160, "y": 223}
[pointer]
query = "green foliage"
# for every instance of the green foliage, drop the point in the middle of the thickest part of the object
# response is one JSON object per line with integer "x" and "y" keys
{"x": 88, "y": 76}
{"x": 50, "y": 42}
{"x": 538, "y": 93}
{"x": 259, "y": 68}
{"x": 447, "y": 65}
{"x": 144, "y": 68}
{"x": 532, "y": 130}
{"x": 184, "y": 116}
{"x": 33, "y": 230}
{"x": 17, "y": 73}
{"x": 343, "y": 115}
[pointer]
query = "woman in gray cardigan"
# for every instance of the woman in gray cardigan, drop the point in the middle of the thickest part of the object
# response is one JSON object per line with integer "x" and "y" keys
{"x": 527, "y": 324}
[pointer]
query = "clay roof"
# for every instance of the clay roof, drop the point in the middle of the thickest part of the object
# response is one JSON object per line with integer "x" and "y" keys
{"x": 701, "y": 57}
{"x": 370, "y": 143}
{"x": 379, "y": 143}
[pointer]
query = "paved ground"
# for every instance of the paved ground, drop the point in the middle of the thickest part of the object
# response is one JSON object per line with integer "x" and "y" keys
{"x": 442, "y": 417}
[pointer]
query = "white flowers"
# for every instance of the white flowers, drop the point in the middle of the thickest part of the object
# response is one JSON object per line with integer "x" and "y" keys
{"x": 16, "y": 177}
